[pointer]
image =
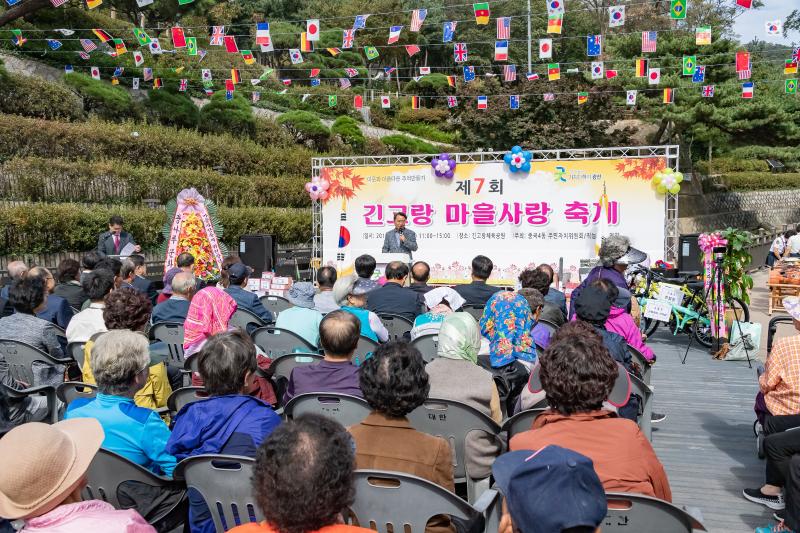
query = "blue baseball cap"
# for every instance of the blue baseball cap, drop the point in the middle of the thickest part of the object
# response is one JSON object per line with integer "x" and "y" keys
{"x": 550, "y": 490}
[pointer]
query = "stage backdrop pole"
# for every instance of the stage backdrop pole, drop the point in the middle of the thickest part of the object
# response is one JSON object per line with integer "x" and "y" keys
{"x": 530, "y": 64}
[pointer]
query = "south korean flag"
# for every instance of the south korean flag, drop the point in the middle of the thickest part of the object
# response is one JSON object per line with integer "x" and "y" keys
{"x": 206, "y": 74}
{"x": 597, "y": 70}
{"x": 631, "y": 100}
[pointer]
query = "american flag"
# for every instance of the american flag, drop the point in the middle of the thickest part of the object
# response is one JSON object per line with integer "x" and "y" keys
{"x": 88, "y": 45}
{"x": 510, "y": 73}
{"x": 417, "y": 18}
{"x": 649, "y": 41}
{"x": 217, "y": 35}
{"x": 344, "y": 83}
{"x": 744, "y": 74}
{"x": 549, "y": 97}
{"x": 83, "y": 55}
{"x": 347, "y": 38}
{"x": 708, "y": 91}
{"x": 503, "y": 28}
{"x": 460, "y": 52}
{"x": 57, "y": 3}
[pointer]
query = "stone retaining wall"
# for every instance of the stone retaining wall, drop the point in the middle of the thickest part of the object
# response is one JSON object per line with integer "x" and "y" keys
{"x": 747, "y": 210}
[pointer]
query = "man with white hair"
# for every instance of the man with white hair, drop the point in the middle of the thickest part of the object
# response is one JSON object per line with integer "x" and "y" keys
{"x": 16, "y": 269}
{"x": 176, "y": 308}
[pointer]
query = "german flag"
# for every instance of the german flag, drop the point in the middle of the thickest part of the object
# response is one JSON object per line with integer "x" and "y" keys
{"x": 669, "y": 96}
{"x": 103, "y": 35}
{"x": 305, "y": 44}
{"x": 641, "y": 68}
{"x": 451, "y": 81}
{"x": 157, "y": 83}
{"x": 415, "y": 102}
{"x": 235, "y": 76}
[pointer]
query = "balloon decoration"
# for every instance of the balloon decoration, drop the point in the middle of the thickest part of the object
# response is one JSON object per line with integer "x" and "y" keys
{"x": 317, "y": 188}
{"x": 518, "y": 160}
{"x": 443, "y": 166}
{"x": 668, "y": 180}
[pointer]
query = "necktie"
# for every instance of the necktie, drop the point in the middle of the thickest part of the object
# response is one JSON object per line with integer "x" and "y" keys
{"x": 116, "y": 242}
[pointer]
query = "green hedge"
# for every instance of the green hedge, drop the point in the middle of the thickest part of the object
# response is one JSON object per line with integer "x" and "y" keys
{"x": 306, "y": 127}
{"x": 50, "y": 228}
{"x": 147, "y": 145}
{"x": 35, "y": 97}
{"x": 403, "y": 144}
{"x": 429, "y": 132}
{"x": 760, "y": 181}
{"x": 222, "y": 115}
{"x": 722, "y": 165}
{"x": 103, "y": 99}
{"x": 35, "y": 179}
{"x": 172, "y": 109}
{"x": 348, "y": 129}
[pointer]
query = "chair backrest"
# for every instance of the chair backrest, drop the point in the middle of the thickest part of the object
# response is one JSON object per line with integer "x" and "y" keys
{"x": 474, "y": 310}
{"x": 283, "y": 365}
{"x": 224, "y": 483}
{"x": 171, "y": 334}
{"x": 243, "y": 318}
{"x": 397, "y": 325}
{"x": 391, "y": 498}
{"x": 773, "y": 328}
{"x": 181, "y": 397}
{"x": 643, "y": 514}
{"x": 345, "y": 409}
{"x": 549, "y": 325}
{"x": 108, "y": 470}
{"x": 428, "y": 346}
{"x": 645, "y": 405}
{"x": 72, "y": 390}
{"x": 20, "y": 358}
{"x": 76, "y": 350}
{"x": 278, "y": 341}
{"x": 366, "y": 347}
{"x": 539, "y": 349}
{"x": 275, "y": 304}
{"x": 452, "y": 420}
{"x": 522, "y": 421}
{"x": 637, "y": 357}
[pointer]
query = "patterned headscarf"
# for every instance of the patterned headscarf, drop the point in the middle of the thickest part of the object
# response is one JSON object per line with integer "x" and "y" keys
{"x": 209, "y": 313}
{"x": 459, "y": 337}
{"x": 507, "y": 323}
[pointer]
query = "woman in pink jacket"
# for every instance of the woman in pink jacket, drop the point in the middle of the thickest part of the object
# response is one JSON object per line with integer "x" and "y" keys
{"x": 621, "y": 322}
{"x": 42, "y": 472}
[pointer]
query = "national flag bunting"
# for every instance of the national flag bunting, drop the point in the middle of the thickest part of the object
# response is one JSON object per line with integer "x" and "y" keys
{"x": 54, "y": 44}
{"x": 610, "y": 73}
{"x": 483, "y": 102}
{"x": 747, "y": 4}
{"x": 58, "y": 3}
{"x": 295, "y": 56}
{"x": 412, "y": 50}
{"x": 513, "y": 101}
{"x": 630, "y": 98}
{"x": 530, "y": 76}
{"x": 415, "y": 102}
{"x": 417, "y": 18}
{"x": 119, "y": 47}
{"x": 448, "y": 31}
{"x": 597, "y": 70}
{"x": 503, "y": 28}
{"x": 205, "y": 74}
{"x": 312, "y": 29}
{"x": 791, "y": 86}
{"x": 333, "y": 51}
{"x": 699, "y": 75}
{"x": 669, "y": 96}
{"x": 451, "y": 81}
{"x": 482, "y": 13}
{"x": 68, "y": 69}
{"x": 358, "y": 101}
{"x": 218, "y": 34}
{"x": 235, "y": 76}
{"x": 183, "y": 85}
{"x": 138, "y": 58}
{"x": 147, "y": 73}
{"x": 654, "y": 76}
{"x": 230, "y": 44}
{"x": 702, "y": 35}
{"x": 469, "y": 74}
{"x": 371, "y": 52}
{"x": 545, "y": 48}
{"x": 247, "y": 57}
{"x": 689, "y": 63}
{"x": 773, "y": 27}
{"x": 641, "y": 68}
{"x": 649, "y": 41}
{"x": 616, "y": 16}
{"x": 141, "y": 37}
{"x": 314, "y": 73}
{"x": 95, "y": 72}
{"x": 103, "y": 35}
{"x": 351, "y": 72}
{"x": 501, "y": 51}
{"x": 747, "y": 90}
{"x": 394, "y": 34}
{"x": 594, "y": 45}
{"x": 386, "y": 102}
{"x": 88, "y": 45}
{"x": 305, "y": 44}
{"x": 191, "y": 48}
{"x": 790, "y": 66}
{"x": 510, "y": 73}
{"x": 553, "y": 72}
{"x": 583, "y": 97}
{"x": 548, "y": 97}
{"x": 423, "y": 71}
{"x": 263, "y": 37}
{"x": 708, "y": 91}
{"x": 91, "y": 4}
{"x": 677, "y": 9}
{"x": 555, "y": 7}
{"x": 178, "y": 37}
{"x": 348, "y": 36}
{"x": 332, "y": 100}
{"x": 460, "y": 52}
{"x": 554, "y": 23}
{"x": 452, "y": 101}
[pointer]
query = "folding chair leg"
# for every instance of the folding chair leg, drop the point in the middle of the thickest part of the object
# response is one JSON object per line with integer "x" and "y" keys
{"x": 53, "y": 404}
{"x": 476, "y": 487}
{"x": 645, "y": 421}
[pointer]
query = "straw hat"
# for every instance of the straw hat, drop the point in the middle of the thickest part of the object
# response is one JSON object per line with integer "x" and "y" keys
{"x": 42, "y": 464}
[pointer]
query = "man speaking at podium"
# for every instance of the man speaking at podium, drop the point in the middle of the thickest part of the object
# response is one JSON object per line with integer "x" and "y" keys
{"x": 400, "y": 240}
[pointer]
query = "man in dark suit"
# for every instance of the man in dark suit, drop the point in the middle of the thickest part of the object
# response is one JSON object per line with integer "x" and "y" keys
{"x": 113, "y": 241}
{"x": 394, "y": 297}
{"x": 238, "y": 274}
{"x": 420, "y": 274}
{"x": 141, "y": 283}
{"x": 477, "y": 293}
{"x": 539, "y": 280}
{"x": 58, "y": 310}
{"x": 176, "y": 308}
{"x": 554, "y": 296}
{"x": 400, "y": 240}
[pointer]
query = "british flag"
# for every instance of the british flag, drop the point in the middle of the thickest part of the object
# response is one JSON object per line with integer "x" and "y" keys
{"x": 708, "y": 91}
{"x": 217, "y": 35}
{"x": 88, "y": 45}
{"x": 460, "y": 52}
{"x": 417, "y": 18}
{"x": 452, "y": 101}
{"x": 503, "y": 28}
{"x": 351, "y": 72}
{"x": 184, "y": 85}
{"x": 510, "y": 73}
{"x": 549, "y": 97}
{"x": 649, "y": 41}
{"x": 347, "y": 38}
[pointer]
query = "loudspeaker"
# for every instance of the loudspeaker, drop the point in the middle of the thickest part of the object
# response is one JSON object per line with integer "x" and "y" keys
{"x": 258, "y": 252}
{"x": 690, "y": 258}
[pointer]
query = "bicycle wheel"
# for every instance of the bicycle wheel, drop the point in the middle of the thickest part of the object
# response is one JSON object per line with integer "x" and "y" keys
{"x": 702, "y": 331}
{"x": 649, "y": 326}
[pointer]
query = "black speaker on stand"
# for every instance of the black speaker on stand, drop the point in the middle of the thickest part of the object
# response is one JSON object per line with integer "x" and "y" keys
{"x": 258, "y": 251}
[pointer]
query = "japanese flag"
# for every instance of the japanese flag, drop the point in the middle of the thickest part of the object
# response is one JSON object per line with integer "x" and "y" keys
{"x": 385, "y": 102}
{"x": 631, "y": 100}
{"x": 138, "y": 58}
{"x": 654, "y": 76}
{"x": 206, "y": 73}
{"x": 312, "y": 29}
{"x": 545, "y": 48}
{"x": 95, "y": 73}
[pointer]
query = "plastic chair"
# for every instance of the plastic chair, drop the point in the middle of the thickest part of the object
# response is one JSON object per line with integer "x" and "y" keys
{"x": 647, "y": 369}
{"x": 645, "y": 405}
{"x": 643, "y": 514}
{"x": 109, "y": 470}
{"x": 345, "y": 409}
{"x": 224, "y": 483}
{"x": 428, "y": 346}
{"x": 366, "y": 347}
{"x": 475, "y": 311}
{"x": 76, "y": 350}
{"x": 278, "y": 341}
{"x": 171, "y": 334}
{"x": 400, "y": 500}
{"x": 549, "y": 325}
{"x": 243, "y": 319}
{"x": 522, "y": 421}
{"x": 453, "y": 421}
{"x": 182, "y": 397}
{"x": 281, "y": 368}
{"x": 397, "y": 325}
{"x": 20, "y": 358}
{"x": 72, "y": 390}
{"x": 275, "y": 304}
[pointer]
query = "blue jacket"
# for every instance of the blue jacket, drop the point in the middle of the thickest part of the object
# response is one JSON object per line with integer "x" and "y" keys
{"x": 146, "y": 287}
{"x": 248, "y": 300}
{"x": 392, "y": 298}
{"x": 58, "y": 311}
{"x": 172, "y": 310}
{"x": 233, "y": 425}
{"x": 558, "y": 299}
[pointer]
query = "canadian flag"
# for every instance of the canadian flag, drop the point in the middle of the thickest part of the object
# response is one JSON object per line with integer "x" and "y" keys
{"x": 312, "y": 29}
{"x": 386, "y": 103}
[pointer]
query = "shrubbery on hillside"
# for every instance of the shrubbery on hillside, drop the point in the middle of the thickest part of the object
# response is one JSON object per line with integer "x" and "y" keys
{"x": 34, "y": 97}
{"x": 103, "y": 99}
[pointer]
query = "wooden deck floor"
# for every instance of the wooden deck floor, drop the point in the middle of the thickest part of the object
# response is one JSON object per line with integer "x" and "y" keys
{"x": 706, "y": 444}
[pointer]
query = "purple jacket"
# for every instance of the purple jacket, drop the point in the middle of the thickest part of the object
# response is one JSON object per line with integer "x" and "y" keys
{"x": 598, "y": 272}
{"x": 621, "y": 322}
{"x": 324, "y": 376}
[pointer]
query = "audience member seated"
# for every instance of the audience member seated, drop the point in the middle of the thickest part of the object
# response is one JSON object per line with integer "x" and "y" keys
{"x": 549, "y": 490}
{"x": 365, "y": 268}
{"x": 209, "y": 313}
{"x": 323, "y": 300}
{"x": 338, "y": 335}
{"x": 554, "y": 296}
{"x": 540, "y": 280}
{"x": 577, "y": 374}
{"x": 16, "y": 271}
{"x": 303, "y": 479}
{"x": 420, "y": 274}
{"x": 57, "y": 309}
{"x": 139, "y": 281}
{"x": 42, "y": 473}
{"x": 89, "y": 262}
{"x": 227, "y": 422}
{"x": 394, "y": 297}
{"x": 441, "y": 303}
{"x": 455, "y": 375}
{"x": 621, "y": 322}
{"x": 128, "y": 309}
{"x": 394, "y": 383}
{"x": 28, "y": 297}
{"x": 224, "y": 279}
{"x": 477, "y": 293}
{"x": 166, "y": 292}
{"x": 84, "y": 325}
{"x": 120, "y": 362}
{"x": 351, "y": 299}
{"x": 68, "y": 286}
{"x": 185, "y": 262}
{"x": 540, "y": 333}
{"x": 175, "y": 308}
{"x": 616, "y": 254}
{"x": 238, "y": 275}
{"x": 301, "y": 319}
{"x": 114, "y": 265}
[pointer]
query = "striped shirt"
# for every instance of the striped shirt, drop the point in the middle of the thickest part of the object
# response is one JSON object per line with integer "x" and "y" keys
{"x": 780, "y": 381}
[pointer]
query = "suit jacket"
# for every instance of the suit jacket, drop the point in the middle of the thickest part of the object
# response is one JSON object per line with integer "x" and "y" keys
{"x": 390, "y": 243}
{"x": 72, "y": 293}
{"x": 105, "y": 243}
{"x": 394, "y": 299}
{"x": 476, "y": 293}
{"x": 173, "y": 310}
{"x": 421, "y": 288}
{"x": 553, "y": 314}
{"x": 146, "y": 287}
{"x": 57, "y": 311}
{"x": 558, "y": 299}
{"x": 248, "y": 300}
